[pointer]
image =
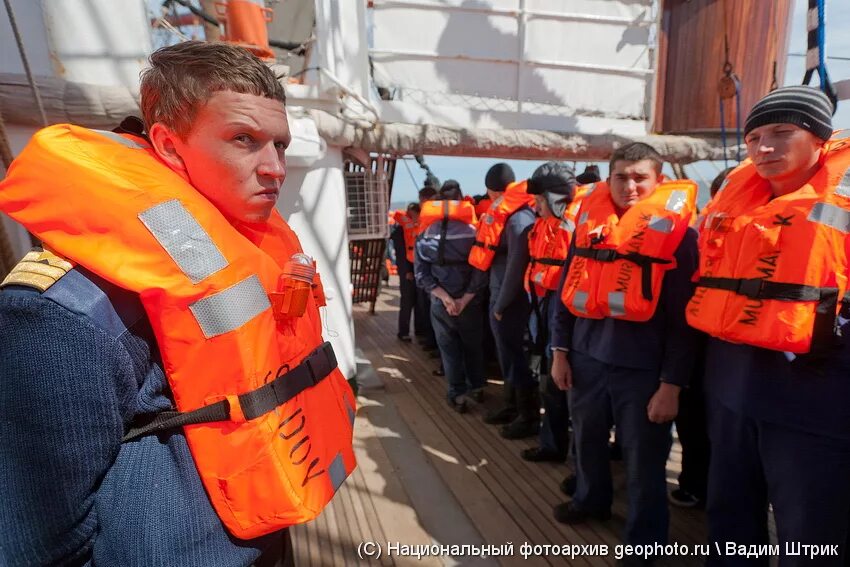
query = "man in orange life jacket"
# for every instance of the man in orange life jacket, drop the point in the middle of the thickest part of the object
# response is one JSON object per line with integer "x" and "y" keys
{"x": 403, "y": 238}
{"x": 772, "y": 293}
{"x": 80, "y": 361}
{"x": 509, "y": 305}
{"x": 633, "y": 370}
{"x": 456, "y": 288}
{"x": 553, "y": 186}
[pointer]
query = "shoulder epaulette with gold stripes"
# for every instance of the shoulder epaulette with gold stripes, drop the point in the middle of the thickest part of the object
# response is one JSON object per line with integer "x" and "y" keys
{"x": 39, "y": 269}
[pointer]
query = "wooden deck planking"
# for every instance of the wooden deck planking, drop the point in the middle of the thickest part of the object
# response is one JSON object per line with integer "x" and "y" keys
{"x": 505, "y": 498}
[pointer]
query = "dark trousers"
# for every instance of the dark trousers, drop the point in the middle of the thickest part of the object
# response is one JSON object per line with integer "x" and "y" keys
{"x": 407, "y": 302}
{"x": 554, "y": 427}
{"x": 692, "y": 427}
{"x": 805, "y": 477}
{"x": 422, "y": 318}
{"x": 600, "y": 390}
{"x": 509, "y": 335}
{"x": 459, "y": 339}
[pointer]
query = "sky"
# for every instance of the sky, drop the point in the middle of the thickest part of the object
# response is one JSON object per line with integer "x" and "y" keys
{"x": 470, "y": 171}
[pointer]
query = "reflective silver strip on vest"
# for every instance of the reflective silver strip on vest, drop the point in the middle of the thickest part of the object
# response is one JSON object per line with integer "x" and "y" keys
{"x": 351, "y": 413}
{"x": 617, "y": 303}
{"x": 661, "y": 224}
{"x": 230, "y": 308}
{"x": 831, "y": 215}
{"x": 676, "y": 201}
{"x": 580, "y": 301}
{"x": 568, "y": 225}
{"x": 184, "y": 239}
{"x": 337, "y": 471}
{"x": 844, "y": 185}
{"x": 133, "y": 145}
{"x": 590, "y": 189}
{"x": 583, "y": 217}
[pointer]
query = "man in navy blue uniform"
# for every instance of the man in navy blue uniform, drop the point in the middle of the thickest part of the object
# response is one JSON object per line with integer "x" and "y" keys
{"x": 631, "y": 370}
{"x": 80, "y": 362}
{"x": 510, "y": 309}
{"x": 779, "y": 423}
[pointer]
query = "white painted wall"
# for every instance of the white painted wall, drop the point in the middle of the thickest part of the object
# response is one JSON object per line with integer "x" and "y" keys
{"x": 313, "y": 203}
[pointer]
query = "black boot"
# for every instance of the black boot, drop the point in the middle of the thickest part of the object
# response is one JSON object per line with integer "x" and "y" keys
{"x": 527, "y": 422}
{"x": 508, "y": 412}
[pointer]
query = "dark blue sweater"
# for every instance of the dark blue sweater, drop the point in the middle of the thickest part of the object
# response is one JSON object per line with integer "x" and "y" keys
{"x": 79, "y": 363}
{"x": 664, "y": 343}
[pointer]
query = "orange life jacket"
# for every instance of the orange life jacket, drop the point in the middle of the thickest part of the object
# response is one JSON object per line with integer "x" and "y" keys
{"x": 411, "y": 229}
{"x": 434, "y": 211}
{"x": 444, "y": 211}
{"x": 280, "y": 442}
{"x": 619, "y": 263}
{"x": 548, "y": 245}
{"x": 492, "y": 224}
{"x": 772, "y": 270}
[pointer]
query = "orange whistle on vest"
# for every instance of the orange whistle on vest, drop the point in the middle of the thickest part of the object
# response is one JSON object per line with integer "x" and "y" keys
{"x": 294, "y": 288}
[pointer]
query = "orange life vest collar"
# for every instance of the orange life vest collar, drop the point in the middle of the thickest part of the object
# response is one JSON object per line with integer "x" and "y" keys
{"x": 436, "y": 211}
{"x": 205, "y": 285}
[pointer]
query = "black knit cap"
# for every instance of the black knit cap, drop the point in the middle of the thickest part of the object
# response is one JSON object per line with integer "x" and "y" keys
{"x": 806, "y": 107}
{"x": 499, "y": 177}
{"x": 552, "y": 177}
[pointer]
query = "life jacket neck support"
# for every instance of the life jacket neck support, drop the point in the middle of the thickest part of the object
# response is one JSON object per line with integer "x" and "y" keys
{"x": 548, "y": 245}
{"x": 442, "y": 212}
{"x": 492, "y": 224}
{"x": 619, "y": 262}
{"x": 773, "y": 271}
{"x": 275, "y": 444}
{"x": 410, "y": 229}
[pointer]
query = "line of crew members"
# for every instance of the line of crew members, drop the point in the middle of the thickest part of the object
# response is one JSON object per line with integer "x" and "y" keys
{"x": 617, "y": 305}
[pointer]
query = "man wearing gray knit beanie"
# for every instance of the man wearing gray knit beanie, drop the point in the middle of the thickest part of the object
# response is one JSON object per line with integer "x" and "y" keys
{"x": 772, "y": 294}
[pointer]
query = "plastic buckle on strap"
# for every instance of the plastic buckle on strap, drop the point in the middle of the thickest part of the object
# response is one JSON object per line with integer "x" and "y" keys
{"x": 751, "y": 288}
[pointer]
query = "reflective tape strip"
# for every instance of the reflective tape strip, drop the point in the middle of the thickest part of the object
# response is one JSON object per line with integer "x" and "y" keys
{"x": 676, "y": 201}
{"x": 661, "y": 224}
{"x": 184, "y": 239}
{"x": 132, "y": 144}
{"x": 617, "y": 303}
{"x": 568, "y": 225}
{"x": 337, "y": 471}
{"x": 844, "y": 185}
{"x": 583, "y": 217}
{"x": 831, "y": 215}
{"x": 231, "y": 308}
{"x": 580, "y": 301}
{"x": 590, "y": 189}
{"x": 351, "y": 413}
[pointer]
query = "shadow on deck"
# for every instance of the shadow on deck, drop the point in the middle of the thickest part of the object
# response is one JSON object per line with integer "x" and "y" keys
{"x": 429, "y": 476}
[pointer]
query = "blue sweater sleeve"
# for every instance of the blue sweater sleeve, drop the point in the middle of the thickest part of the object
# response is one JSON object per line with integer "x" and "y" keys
{"x": 516, "y": 239}
{"x": 681, "y": 345}
{"x": 422, "y": 270}
{"x": 65, "y": 389}
{"x": 562, "y": 320}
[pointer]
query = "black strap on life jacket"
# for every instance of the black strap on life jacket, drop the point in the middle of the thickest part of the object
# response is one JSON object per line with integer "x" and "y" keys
{"x": 548, "y": 261}
{"x": 644, "y": 262}
{"x": 312, "y": 370}
{"x": 480, "y": 244}
{"x": 760, "y": 288}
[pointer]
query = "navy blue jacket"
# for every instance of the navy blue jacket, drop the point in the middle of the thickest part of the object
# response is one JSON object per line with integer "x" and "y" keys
{"x": 665, "y": 343}
{"x": 507, "y": 272}
{"x": 454, "y": 274}
{"x": 806, "y": 395}
{"x": 79, "y": 365}
{"x": 401, "y": 262}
